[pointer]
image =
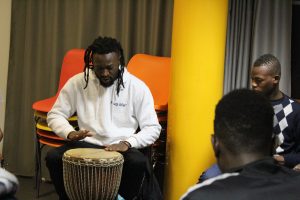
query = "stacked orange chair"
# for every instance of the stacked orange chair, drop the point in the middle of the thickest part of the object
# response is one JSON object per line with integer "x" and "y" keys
{"x": 155, "y": 72}
{"x": 73, "y": 64}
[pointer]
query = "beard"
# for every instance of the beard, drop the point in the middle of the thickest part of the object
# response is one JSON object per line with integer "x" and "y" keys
{"x": 106, "y": 82}
{"x": 267, "y": 92}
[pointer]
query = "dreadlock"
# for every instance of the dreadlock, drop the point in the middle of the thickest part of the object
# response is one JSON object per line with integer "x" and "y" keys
{"x": 104, "y": 45}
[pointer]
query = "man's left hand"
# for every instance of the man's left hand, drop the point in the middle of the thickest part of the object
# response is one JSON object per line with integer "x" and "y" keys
{"x": 121, "y": 147}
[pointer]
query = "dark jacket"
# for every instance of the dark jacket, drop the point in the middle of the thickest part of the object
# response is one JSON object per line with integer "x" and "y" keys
{"x": 260, "y": 180}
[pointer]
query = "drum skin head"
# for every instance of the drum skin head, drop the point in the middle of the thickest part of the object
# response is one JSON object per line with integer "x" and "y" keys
{"x": 92, "y": 154}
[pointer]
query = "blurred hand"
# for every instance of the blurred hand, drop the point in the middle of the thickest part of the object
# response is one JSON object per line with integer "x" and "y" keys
{"x": 279, "y": 159}
{"x": 297, "y": 168}
{"x": 121, "y": 147}
{"x": 79, "y": 135}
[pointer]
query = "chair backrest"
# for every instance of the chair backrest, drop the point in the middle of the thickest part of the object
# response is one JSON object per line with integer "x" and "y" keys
{"x": 73, "y": 64}
{"x": 155, "y": 72}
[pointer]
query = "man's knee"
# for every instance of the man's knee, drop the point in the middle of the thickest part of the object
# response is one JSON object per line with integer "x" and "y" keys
{"x": 53, "y": 157}
{"x": 135, "y": 159}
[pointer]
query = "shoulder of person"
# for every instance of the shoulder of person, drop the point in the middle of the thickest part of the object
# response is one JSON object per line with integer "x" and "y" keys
{"x": 136, "y": 82}
{"x": 207, "y": 192}
{"x": 295, "y": 105}
{"x": 205, "y": 189}
{"x": 79, "y": 76}
{"x": 77, "y": 79}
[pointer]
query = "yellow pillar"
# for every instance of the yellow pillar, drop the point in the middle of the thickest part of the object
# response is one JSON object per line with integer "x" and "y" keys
{"x": 198, "y": 52}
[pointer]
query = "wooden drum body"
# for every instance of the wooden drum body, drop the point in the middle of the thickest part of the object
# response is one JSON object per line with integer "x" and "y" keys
{"x": 91, "y": 174}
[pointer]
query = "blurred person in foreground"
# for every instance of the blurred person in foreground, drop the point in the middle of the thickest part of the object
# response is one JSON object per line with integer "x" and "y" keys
{"x": 243, "y": 144}
{"x": 8, "y": 182}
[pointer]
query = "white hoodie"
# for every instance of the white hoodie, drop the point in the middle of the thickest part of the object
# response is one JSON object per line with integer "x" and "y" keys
{"x": 100, "y": 110}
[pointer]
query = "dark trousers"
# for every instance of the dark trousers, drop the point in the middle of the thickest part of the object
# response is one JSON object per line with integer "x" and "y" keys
{"x": 136, "y": 170}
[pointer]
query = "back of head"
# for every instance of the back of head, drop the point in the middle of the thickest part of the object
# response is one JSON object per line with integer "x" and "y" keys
{"x": 269, "y": 61}
{"x": 244, "y": 122}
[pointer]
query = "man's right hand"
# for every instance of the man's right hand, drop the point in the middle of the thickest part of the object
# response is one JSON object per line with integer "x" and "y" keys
{"x": 79, "y": 135}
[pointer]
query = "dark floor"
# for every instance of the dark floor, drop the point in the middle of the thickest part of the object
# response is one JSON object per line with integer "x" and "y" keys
{"x": 27, "y": 190}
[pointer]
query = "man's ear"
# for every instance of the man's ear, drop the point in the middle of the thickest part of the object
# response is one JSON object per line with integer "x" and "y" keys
{"x": 216, "y": 145}
{"x": 276, "y": 79}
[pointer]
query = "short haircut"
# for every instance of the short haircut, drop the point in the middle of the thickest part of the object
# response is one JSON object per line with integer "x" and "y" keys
{"x": 269, "y": 61}
{"x": 244, "y": 122}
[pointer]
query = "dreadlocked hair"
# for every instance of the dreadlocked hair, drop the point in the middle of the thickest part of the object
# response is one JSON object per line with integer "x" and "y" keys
{"x": 104, "y": 45}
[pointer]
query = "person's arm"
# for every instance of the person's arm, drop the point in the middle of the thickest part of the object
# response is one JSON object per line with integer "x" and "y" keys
{"x": 147, "y": 119}
{"x": 8, "y": 183}
{"x": 289, "y": 160}
{"x": 292, "y": 159}
{"x": 63, "y": 108}
{"x": 145, "y": 114}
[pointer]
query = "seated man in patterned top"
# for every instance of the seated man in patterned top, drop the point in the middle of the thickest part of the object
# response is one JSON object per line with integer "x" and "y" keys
{"x": 265, "y": 76}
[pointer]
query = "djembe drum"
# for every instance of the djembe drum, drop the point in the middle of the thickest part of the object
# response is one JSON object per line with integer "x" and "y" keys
{"x": 91, "y": 174}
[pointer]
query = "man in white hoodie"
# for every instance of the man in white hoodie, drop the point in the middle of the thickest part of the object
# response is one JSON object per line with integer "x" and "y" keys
{"x": 111, "y": 105}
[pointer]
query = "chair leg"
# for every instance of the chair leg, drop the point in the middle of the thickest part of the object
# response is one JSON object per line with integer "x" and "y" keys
{"x": 38, "y": 164}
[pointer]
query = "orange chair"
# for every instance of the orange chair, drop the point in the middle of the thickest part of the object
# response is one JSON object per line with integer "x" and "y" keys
{"x": 155, "y": 72}
{"x": 73, "y": 63}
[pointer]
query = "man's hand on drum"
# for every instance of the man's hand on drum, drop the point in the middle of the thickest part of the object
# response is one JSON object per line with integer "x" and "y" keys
{"x": 79, "y": 135}
{"x": 121, "y": 147}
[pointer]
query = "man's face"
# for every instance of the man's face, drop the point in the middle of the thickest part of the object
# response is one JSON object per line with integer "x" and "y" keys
{"x": 106, "y": 68}
{"x": 262, "y": 80}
